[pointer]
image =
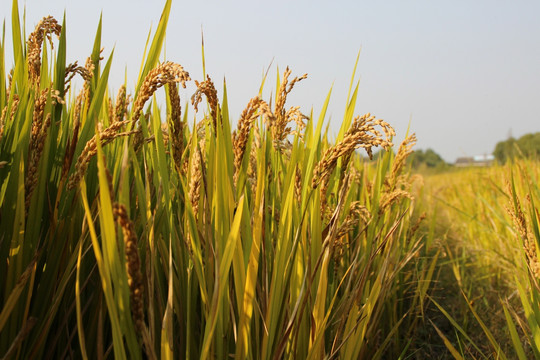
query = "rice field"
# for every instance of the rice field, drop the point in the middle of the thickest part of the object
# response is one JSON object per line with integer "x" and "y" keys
{"x": 489, "y": 231}
{"x": 131, "y": 228}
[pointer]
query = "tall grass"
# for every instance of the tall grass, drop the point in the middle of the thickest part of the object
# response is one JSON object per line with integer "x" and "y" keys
{"x": 128, "y": 233}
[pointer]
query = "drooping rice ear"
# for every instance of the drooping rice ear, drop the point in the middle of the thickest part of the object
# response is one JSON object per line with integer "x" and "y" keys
{"x": 45, "y": 27}
{"x": 165, "y": 73}
{"x": 208, "y": 89}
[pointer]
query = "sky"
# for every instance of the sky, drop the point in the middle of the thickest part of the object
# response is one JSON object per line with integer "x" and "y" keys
{"x": 463, "y": 74}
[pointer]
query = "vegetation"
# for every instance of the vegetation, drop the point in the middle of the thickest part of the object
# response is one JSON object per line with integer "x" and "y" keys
{"x": 427, "y": 159}
{"x": 127, "y": 231}
{"x": 491, "y": 237}
{"x": 527, "y": 146}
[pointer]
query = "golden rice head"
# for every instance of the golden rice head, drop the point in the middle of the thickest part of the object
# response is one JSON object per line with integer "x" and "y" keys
{"x": 33, "y": 164}
{"x": 326, "y": 213}
{"x": 72, "y": 70}
{"x": 279, "y": 119}
{"x": 298, "y": 184}
{"x": 357, "y": 213}
{"x": 38, "y": 136}
{"x": 389, "y": 198}
{"x": 294, "y": 115}
{"x": 90, "y": 67}
{"x": 120, "y": 105}
{"x": 37, "y": 117}
{"x": 248, "y": 116}
{"x": 165, "y": 73}
{"x": 195, "y": 181}
{"x": 9, "y": 83}
{"x": 45, "y": 28}
{"x": 529, "y": 244}
{"x": 138, "y": 140}
{"x": 363, "y": 133}
{"x": 133, "y": 266}
{"x": 3, "y": 117}
{"x": 284, "y": 89}
{"x": 2, "y": 120}
{"x": 207, "y": 89}
{"x": 176, "y": 126}
{"x": 404, "y": 151}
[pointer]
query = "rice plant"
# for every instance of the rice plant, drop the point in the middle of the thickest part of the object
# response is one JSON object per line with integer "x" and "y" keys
{"x": 492, "y": 243}
{"x": 132, "y": 229}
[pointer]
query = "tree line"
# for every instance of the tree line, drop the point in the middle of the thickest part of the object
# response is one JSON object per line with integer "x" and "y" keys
{"x": 526, "y": 146}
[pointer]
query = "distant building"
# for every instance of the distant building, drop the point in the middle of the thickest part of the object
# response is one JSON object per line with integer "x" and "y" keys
{"x": 479, "y": 160}
{"x": 464, "y": 161}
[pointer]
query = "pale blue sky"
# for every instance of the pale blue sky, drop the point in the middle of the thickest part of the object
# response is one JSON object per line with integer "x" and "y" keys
{"x": 466, "y": 72}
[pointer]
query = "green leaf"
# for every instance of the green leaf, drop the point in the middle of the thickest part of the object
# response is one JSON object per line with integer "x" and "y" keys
{"x": 105, "y": 277}
{"x": 96, "y": 54}
{"x": 18, "y": 50}
{"x": 222, "y": 279}
{"x": 516, "y": 340}
{"x": 242, "y": 346}
{"x": 447, "y": 343}
{"x": 60, "y": 71}
{"x": 157, "y": 43}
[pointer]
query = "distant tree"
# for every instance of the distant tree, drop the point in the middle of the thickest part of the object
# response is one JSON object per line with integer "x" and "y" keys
{"x": 419, "y": 159}
{"x": 528, "y": 146}
{"x": 504, "y": 150}
{"x": 428, "y": 158}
